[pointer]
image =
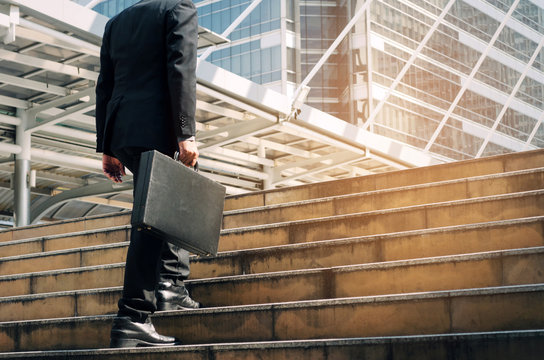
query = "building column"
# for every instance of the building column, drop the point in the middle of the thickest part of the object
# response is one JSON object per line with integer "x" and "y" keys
{"x": 267, "y": 183}
{"x": 21, "y": 186}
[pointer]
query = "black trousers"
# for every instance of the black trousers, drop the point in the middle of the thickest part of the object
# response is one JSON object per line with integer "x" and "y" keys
{"x": 149, "y": 259}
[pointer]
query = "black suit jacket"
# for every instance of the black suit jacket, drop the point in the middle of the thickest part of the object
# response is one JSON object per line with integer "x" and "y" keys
{"x": 146, "y": 91}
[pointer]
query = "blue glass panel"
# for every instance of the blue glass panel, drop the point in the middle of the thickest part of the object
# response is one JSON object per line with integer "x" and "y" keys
{"x": 254, "y": 45}
{"x": 255, "y": 62}
{"x": 246, "y": 65}
{"x": 275, "y": 9}
{"x": 245, "y": 47}
{"x": 266, "y": 63}
{"x": 275, "y": 24}
{"x": 235, "y": 65}
{"x": 276, "y": 75}
{"x": 275, "y": 57}
{"x": 266, "y": 78}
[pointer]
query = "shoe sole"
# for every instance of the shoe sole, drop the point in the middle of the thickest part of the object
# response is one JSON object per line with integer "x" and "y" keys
{"x": 170, "y": 307}
{"x": 127, "y": 343}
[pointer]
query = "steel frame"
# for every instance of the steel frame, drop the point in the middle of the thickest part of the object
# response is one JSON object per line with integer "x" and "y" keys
{"x": 253, "y": 141}
{"x": 471, "y": 76}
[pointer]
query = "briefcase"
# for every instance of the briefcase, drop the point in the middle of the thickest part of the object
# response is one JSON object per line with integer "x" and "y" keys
{"x": 177, "y": 204}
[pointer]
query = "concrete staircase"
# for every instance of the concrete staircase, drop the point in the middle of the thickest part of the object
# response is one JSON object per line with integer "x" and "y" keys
{"x": 438, "y": 262}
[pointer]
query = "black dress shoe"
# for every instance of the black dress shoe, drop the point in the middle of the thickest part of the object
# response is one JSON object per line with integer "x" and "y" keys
{"x": 173, "y": 297}
{"x": 128, "y": 333}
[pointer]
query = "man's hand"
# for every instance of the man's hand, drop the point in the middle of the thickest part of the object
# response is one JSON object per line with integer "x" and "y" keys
{"x": 188, "y": 153}
{"x": 112, "y": 168}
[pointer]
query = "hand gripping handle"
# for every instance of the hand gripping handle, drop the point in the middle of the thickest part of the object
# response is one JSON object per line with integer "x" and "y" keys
{"x": 176, "y": 157}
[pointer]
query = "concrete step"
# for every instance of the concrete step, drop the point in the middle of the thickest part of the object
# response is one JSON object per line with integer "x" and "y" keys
{"x": 493, "y": 208}
{"x": 65, "y": 241}
{"x": 88, "y": 277}
{"x": 460, "y": 239}
{"x": 503, "y": 345}
{"x": 422, "y": 175}
{"x": 501, "y": 268}
{"x": 456, "y": 170}
{"x": 63, "y": 259}
{"x": 475, "y": 310}
{"x": 459, "y": 189}
{"x": 66, "y": 226}
{"x": 328, "y": 207}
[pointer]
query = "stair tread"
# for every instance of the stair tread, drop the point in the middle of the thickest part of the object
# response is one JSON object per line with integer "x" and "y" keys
{"x": 433, "y": 338}
{"x": 384, "y": 191}
{"x": 449, "y": 255}
{"x": 504, "y": 166}
{"x": 290, "y": 273}
{"x": 496, "y": 290}
{"x": 65, "y": 235}
{"x": 386, "y": 211}
{"x": 275, "y": 248}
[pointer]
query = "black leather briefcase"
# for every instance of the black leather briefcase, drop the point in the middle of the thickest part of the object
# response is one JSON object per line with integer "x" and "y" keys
{"x": 177, "y": 204}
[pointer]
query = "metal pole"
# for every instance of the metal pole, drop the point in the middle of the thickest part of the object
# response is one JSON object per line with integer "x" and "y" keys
{"x": 22, "y": 173}
{"x": 267, "y": 182}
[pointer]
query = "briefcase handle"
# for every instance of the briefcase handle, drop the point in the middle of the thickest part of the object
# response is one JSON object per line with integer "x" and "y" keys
{"x": 176, "y": 157}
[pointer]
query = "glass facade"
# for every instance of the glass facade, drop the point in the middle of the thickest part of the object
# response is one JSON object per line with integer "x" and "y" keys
{"x": 475, "y": 88}
{"x": 461, "y": 83}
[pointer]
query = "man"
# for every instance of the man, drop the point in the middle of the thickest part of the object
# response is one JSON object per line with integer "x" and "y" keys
{"x": 145, "y": 99}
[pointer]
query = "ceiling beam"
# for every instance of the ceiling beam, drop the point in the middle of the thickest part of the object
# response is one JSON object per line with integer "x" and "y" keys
{"x": 78, "y": 96}
{"x": 66, "y": 15}
{"x": 223, "y": 111}
{"x": 32, "y": 31}
{"x": 234, "y": 132}
{"x": 106, "y": 187}
{"x": 48, "y": 65}
{"x": 33, "y": 85}
{"x": 238, "y": 155}
{"x": 340, "y": 159}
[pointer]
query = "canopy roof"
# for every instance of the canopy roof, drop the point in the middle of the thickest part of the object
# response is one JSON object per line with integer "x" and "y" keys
{"x": 250, "y": 137}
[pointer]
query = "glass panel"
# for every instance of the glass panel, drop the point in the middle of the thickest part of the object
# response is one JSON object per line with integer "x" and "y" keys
{"x": 457, "y": 141}
{"x": 516, "y": 125}
{"x": 478, "y": 108}
{"x": 538, "y": 139}
{"x": 497, "y": 75}
{"x": 495, "y": 149}
{"x": 532, "y": 92}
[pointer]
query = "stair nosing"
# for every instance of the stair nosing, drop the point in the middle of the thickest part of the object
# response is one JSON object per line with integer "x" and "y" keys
{"x": 56, "y": 272}
{"x": 295, "y": 343}
{"x": 64, "y": 251}
{"x": 65, "y": 235}
{"x": 66, "y": 221}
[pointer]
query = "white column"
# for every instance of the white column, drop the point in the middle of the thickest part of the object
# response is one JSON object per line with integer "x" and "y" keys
{"x": 21, "y": 186}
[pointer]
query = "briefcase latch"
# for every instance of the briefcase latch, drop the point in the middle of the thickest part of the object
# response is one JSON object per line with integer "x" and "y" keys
{"x": 140, "y": 228}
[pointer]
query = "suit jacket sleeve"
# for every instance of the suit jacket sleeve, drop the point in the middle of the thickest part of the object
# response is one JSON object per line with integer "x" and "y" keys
{"x": 104, "y": 89}
{"x": 181, "y": 50}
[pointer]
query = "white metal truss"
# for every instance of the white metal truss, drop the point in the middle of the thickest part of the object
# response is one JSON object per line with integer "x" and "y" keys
{"x": 249, "y": 137}
{"x": 510, "y": 98}
{"x": 416, "y": 53}
{"x": 475, "y": 69}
